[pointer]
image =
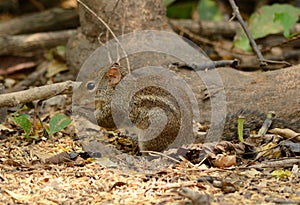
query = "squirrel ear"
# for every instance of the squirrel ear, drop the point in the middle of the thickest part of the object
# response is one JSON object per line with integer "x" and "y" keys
{"x": 114, "y": 76}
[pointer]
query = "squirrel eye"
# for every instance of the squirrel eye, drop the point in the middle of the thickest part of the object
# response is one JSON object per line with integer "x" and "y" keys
{"x": 90, "y": 85}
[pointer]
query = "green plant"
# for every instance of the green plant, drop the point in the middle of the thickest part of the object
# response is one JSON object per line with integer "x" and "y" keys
{"x": 241, "y": 121}
{"x": 208, "y": 10}
{"x": 23, "y": 121}
{"x": 57, "y": 123}
{"x": 205, "y": 9}
{"x": 269, "y": 20}
{"x": 169, "y": 2}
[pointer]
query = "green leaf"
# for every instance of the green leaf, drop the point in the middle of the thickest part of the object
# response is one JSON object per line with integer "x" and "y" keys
{"x": 23, "y": 121}
{"x": 241, "y": 41}
{"x": 61, "y": 49}
{"x": 47, "y": 130}
{"x": 58, "y": 122}
{"x": 264, "y": 22}
{"x": 281, "y": 173}
{"x": 181, "y": 10}
{"x": 168, "y": 2}
{"x": 287, "y": 21}
{"x": 208, "y": 10}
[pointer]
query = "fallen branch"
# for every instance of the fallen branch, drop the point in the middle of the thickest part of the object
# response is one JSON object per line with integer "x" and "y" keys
{"x": 206, "y": 28}
{"x": 24, "y": 43}
{"x": 209, "y": 65}
{"x": 209, "y": 28}
{"x": 49, "y": 20}
{"x": 31, "y": 78}
{"x": 280, "y": 163}
{"x": 37, "y": 93}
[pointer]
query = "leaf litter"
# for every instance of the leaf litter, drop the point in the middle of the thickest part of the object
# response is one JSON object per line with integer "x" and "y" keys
{"x": 27, "y": 177}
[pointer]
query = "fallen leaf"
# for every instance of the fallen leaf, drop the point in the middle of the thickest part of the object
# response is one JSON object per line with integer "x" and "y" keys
{"x": 55, "y": 67}
{"x": 250, "y": 173}
{"x": 281, "y": 173}
{"x": 286, "y": 133}
{"x": 224, "y": 160}
{"x": 18, "y": 197}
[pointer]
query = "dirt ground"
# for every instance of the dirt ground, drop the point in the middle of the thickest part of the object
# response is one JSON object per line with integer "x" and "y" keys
{"x": 25, "y": 179}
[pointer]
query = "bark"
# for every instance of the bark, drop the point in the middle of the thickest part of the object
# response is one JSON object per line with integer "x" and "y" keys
{"x": 37, "y": 93}
{"x": 206, "y": 28}
{"x": 263, "y": 91}
{"x": 121, "y": 16}
{"x": 49, "y": 20}
{"x": 26, "y": 6}
{"x": 254, "y": 91}
{"x": 30, "y": 42}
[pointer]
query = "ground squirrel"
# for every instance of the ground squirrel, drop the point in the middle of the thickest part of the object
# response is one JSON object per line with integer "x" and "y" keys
{"x": 151, "y": 108}
{"x": 148, "y": 103}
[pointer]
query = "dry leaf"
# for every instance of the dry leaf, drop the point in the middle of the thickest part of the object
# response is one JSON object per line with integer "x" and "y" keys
{"x": 286, "y": 133}
{"x": 18, "y": 197}
{"x": 55, "y": 67}
{"x": 224, "y": 160}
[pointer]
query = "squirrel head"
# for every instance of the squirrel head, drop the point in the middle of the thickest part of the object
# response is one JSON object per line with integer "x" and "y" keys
{"x": 95, "y": 93}
{"x": 107, "y": 77}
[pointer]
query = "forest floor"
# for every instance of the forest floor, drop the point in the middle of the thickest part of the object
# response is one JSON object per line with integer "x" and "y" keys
{"x": 57, "y": 170}
{"x": 27, "y": 179}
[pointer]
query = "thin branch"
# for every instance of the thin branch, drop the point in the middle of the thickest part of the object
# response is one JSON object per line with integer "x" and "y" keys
{"x": 280, "y": 163}
{"x": 154, "y": 153}
{"x": 210, "y": 64}
{"x": 112, "y": 33}
{"x": 31, "y": 78}
{"x": 236, "y": 13}
{"x": 3, "y": 110}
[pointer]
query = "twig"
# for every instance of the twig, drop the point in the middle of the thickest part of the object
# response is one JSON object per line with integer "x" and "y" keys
{"x": 112, "y": 33}
{"x": 37, "y": 93}
{"x": 3, "y": 111}
{"x": 42, "y": 68}
{"x": 211, "y": 64}
{"x": 195, "y": 197}
{"x": 161, "y": 154}
{"x": 107, "y": 34}
{"x": 287, "y": 162}
{"x": 190, "y": 34}
{"x": 236, "y": 13}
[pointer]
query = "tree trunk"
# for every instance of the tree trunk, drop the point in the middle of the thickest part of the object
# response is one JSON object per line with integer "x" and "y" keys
{"x": 121, "y": 16}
